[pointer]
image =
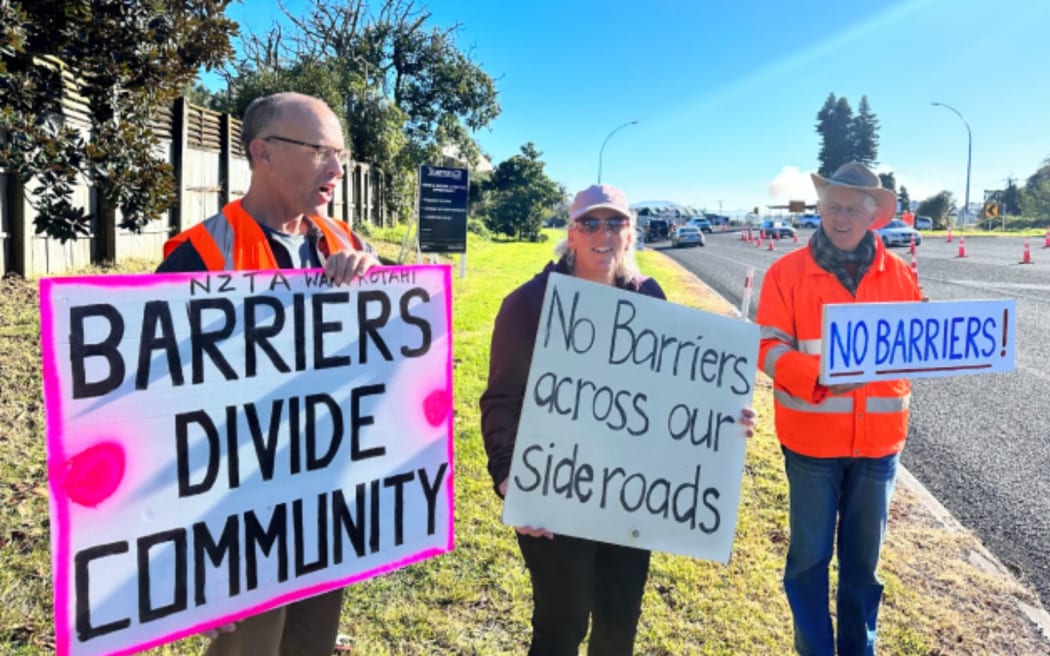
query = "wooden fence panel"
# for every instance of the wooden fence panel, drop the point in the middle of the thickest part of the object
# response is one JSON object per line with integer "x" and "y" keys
{"x": 45, "y": 256}
{"x": 211, "y": 169}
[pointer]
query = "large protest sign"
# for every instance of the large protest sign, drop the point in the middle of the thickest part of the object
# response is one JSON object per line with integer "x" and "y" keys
{"x": 223, "y": 443}
{"x": 629, "y": 430}
{"x": 862, "y": 342}
{"x": 442, "y": 209}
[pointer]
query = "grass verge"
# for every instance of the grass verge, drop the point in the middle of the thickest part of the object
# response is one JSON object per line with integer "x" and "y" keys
{"x": 475, "y": 601}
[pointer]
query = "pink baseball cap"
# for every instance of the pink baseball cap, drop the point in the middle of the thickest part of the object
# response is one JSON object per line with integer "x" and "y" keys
{"x": 600, "y": 196}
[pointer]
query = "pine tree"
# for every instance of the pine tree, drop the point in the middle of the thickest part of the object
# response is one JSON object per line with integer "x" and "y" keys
{"x": 864, "y": 135}
{"x": 889, "y": 181}
{"x": 834, "y": 124}
{"x": 903, "y": 197}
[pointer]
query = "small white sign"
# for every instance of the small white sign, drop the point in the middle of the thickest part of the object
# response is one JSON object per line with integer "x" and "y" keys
{"x": 862, "y": 342}
{"x": 629, "y": 431}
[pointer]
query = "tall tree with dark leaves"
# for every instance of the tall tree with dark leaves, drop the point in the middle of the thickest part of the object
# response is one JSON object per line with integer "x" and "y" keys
{"x": 903, "y": 197}
{"x": 127, "y": 60}
{"x": 407, "y": 91}
{"x": 520, "y": 194}
{"x": 888, "y": 181}
{"x": 864, "y": 135}
{"x": 939, "y": 208}
{"x": 834, "y": 125}
{"x": 1010, "y": 198}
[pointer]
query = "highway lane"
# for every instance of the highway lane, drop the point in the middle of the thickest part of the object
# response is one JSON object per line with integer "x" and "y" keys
{"x": 980, "y": 444}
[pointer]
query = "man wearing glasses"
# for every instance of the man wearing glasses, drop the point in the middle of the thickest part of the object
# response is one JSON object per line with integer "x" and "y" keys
{"x": 296, "y": 153}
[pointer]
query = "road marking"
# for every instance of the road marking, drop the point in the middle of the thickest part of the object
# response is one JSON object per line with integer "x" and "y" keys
{"x": 742, "y": 263}
{"x": 1004, "y": 285}
{"x": 987, "y": 286}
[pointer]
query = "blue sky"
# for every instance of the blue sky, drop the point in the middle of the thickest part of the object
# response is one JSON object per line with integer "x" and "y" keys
{"x": 726, "y": 92}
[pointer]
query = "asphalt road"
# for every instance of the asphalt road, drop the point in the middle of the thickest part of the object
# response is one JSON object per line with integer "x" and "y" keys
{"x": 980, "y": 444}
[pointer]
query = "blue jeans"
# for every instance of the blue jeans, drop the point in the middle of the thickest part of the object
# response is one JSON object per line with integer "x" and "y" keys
{"x": 856, "y": 492}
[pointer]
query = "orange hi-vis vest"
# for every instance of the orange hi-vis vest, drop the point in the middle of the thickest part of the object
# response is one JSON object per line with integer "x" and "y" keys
{"x": 233, "y": 241}
{"x": 870, "y": 422}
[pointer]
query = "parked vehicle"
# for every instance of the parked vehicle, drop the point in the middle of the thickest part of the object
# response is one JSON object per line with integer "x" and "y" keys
{"x": 703, "y": 224}
{"x": 778, "y": 229}
{"x": 898, "y": 233}
{"x": 809, "y": 221}
{"x": 658, "y": 230}
{"x": 687, "y": 235}
{"x": 923, "y": 223}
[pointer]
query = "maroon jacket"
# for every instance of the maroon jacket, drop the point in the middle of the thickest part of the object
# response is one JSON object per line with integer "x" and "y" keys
{"x": 513, "y": 339}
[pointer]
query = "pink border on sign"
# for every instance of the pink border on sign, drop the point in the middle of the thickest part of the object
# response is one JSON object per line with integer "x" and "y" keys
{"x": 56, "y": 459}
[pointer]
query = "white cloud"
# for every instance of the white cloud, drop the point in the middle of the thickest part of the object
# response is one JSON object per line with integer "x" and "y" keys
{"x": 792, "y": 184}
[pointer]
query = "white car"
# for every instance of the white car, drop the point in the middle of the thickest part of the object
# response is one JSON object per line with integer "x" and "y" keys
{"x": 687, "y": 235}
{"x": 898, "y": 233}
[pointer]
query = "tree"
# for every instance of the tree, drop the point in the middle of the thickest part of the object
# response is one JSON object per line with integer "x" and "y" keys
{"x": 127, "y": 59}
{"x": 903, "y": 197}
{"x": 888, "y": 181}
{"x": 939, "y": 208}
{"x": 1037, "y": 199}
{"x": 1042, "y": 174}
{"x": 864, "y": 135}
{"x": 1010, "y": 198}
{"x": 521, "y": 195}
{"x": 406, "y": 91}
{"x": 833, "y": 125}
{"x": 845, "y": 137}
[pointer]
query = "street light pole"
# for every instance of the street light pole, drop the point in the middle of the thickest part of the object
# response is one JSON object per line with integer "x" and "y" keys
{"x": 602, "y": 151}
{"x": 969, "y": 153}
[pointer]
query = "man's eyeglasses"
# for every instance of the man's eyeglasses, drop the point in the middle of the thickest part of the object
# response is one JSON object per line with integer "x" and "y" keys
{"x": 321, "y": 153}
{"x": 591, "y": 224}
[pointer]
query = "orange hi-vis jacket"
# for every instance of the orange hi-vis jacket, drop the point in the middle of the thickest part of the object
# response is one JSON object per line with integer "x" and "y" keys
{"x": 233, "y": 241}
{"x": 870, "y": 422}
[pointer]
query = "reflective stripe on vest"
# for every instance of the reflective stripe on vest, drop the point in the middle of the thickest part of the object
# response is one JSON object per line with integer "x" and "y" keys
{"x": 232, "y": 240}
{"x": 872, "y": 404}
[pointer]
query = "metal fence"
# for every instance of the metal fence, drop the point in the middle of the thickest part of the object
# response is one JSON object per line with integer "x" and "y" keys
{"x": 204, "y": 149}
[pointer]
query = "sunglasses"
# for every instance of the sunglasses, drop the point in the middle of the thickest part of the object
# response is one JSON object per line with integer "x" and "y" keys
{"x": 591, "y": 224}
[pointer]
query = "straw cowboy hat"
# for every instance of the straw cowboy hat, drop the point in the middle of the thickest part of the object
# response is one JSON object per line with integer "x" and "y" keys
{"x": 855, "y": 175}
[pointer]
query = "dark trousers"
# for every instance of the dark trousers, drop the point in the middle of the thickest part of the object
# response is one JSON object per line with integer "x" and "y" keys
{"x": 576, "y": 580}
{"x": 307, "y": 627}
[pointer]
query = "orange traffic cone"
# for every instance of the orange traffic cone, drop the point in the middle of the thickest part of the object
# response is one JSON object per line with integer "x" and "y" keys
{"x": 743, "y": 235}
{"x": 771, "y": 247}
{"x": 914, "y": 265}
{"x": 796, "y": 238}
{"x": 1027, "y": 257}
{"x": 949, "y": 234}
{"x": 1046, "y": 241}
{"x": 911, "y": 246}
{"x": 962, "y": 246}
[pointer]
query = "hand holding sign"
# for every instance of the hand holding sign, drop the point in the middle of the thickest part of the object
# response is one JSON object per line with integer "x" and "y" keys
{"x": 344, "y": 266}
{"x": 633, "y": 421}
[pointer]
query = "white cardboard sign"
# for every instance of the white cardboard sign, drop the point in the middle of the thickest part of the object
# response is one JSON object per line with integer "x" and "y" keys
{"x": 629, "y": 431}
{"x": 862, "y": 342}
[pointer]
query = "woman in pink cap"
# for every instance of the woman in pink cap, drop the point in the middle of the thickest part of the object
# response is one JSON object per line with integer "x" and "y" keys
{"x": 574, "y": 580}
